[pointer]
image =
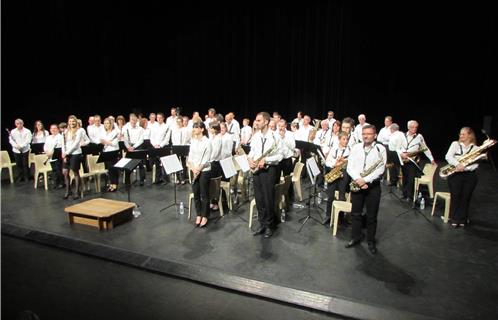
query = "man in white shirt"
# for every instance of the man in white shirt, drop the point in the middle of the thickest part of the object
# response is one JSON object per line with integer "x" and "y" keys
{"x": 53, "y": 142}
{"x": 362, "y": 121}
{"x": 233, "y": 127}
{"x": 20, "y": 139}
{"x": 171, "y": 121}
{"x": 96, "y": 130}
{"x": 159, "y": 137}
{"x": 264, "y": 157}
{"x": 395, "y": 141}
{"x": 211, "y": 116}
{"x": 303, "y": 132}
{"x": 366, "y": 165}
{"x": 385, "y": 133}
{"x": 245, "y": 132}
{"x": 152, "y": 120}
{"x": 134, "y": 138}
{"x": 330, "y": 118}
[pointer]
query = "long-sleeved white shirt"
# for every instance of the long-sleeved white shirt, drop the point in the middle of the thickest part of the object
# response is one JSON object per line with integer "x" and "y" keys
{"x": 458, "y": 150}
{"x": 216, "y": 145}
{"x": 303, "y": 133}
{"x": 72, "y": 142}
{"x": 412, "y": 143}
{"x": 287, "y": 145}
{"x": 40, "y": 136}
{"x": 262, "y": 143}
{"x": 20, "y": 140}
{"x": 335, "y": 153}
{"x": 52, "y": 142}
{"x": 245, "y": 134}
{"x": 94, "y": 133}
{"x": 361, "y": 159}
{"x": 113, "y": 138}
{"x": 200, "y": 153}
{"x": 160, "y": 135}
{"x": 322, "y": 137}
{"x": 227, "y": 144}
{"x": 133, "y": 136}
{"x": 357, "y": 133}
{"x": 396, "y": 140}
{"x": 384, "y": 135}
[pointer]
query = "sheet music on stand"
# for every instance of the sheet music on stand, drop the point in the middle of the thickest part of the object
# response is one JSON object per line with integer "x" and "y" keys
{"x": 312, "y": 168}
{"x": 127, "y": 165}
{"x": 243, "y": 163}
{"x": 228, "y": 167}
{"x": 171, "y": 164}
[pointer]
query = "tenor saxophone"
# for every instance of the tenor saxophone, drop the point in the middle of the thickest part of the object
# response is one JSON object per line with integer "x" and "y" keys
{"x": 468, "y": 159}
{"x": 264, "y": 154}
{"x": 336, "y": 172}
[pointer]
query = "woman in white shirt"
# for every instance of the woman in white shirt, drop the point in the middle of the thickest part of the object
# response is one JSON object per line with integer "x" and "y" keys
{"x": 71, "y": 155}
{"x": 198, "y": 162}
{"x": 463, "y": 182}
{"x": 39, "y": 132}
{"x": 109, "y": 139}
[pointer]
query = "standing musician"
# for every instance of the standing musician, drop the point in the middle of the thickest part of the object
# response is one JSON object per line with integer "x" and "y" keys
{"x": 245, "y": 132}
{"x": 264, "y": 156}
{"x": 385, "y": 133}
{"x": 133, "y": 138}
{"x": 198, "y": 162}
{"x": 334, "y": 137}
{"x": 463, "y": 182}
{"x": 287, "y": 149}
{"x": 347, "y": 126}
{"x": 357, "y": 133}
{"x": 413, "y": 143}
{"x": 52, "y": 142}
{"x": 337, "y": 158}
{"x": 395, "y": 140}
{"x": 178, "y": 138}
{"x": 366, "y": 166}
{"x": 323, "y": 136}
{"x": 160, "y": 135}
{"x": 110, "y": 140}
{"x": 71, "y": 156}
{"x": 20, "y": 139}
{"x": 39, "y": 132}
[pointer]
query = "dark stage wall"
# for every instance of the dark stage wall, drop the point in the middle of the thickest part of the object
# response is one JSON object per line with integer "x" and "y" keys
{"x": 412, "y": 62}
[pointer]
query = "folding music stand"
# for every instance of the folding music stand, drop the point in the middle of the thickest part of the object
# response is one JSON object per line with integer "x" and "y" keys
{"x": 92, "y": 148}
{"x": 137, "y": 155}
{"x": 171, "y": 165}
{"x": 127, "y": 168}
{"x": 37, "y": 148}
{"x": 312, "y": 195}
{"x": 159, "y": 153}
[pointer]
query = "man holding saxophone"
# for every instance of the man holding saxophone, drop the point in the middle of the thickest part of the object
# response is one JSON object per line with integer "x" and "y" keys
{"x": 263, "y": 161}
{"x": 366, "y": 165}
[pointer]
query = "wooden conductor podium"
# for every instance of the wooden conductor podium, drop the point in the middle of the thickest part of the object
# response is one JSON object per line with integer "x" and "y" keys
{"x": 100, "y": 213}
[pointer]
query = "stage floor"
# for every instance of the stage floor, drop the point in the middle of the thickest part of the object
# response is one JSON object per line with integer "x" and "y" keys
{"x": 424, "y": 268}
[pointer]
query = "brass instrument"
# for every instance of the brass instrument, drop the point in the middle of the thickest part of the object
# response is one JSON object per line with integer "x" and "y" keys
{"x": 468, "y": 158}
{"x": 336, "y": 173}
{"x": 263, "y": 155}
{"x": 312, "y": 135}
{"x": 414, "y": 154}
{"x": 353, "y": 186}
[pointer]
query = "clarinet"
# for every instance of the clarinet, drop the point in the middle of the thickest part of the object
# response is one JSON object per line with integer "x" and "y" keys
{"x": 197, "y": 175}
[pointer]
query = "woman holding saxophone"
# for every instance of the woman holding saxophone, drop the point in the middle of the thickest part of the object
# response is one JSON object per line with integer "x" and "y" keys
{"x": 337, "y": 178}
{"x": 463, "y": 182}
{"x": 366, "y": 165}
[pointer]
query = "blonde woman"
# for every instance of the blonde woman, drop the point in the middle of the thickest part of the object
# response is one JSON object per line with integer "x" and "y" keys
{"x": 71, "y": 155}
{"x": 109, "y": 139}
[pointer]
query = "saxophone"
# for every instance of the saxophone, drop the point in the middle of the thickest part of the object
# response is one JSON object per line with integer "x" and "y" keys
{"x": 414, "y": 155}
{"x": 353, "y": 186}
{"x": 336, "y": 172}
{"x": 263, "y": 155}
{"x": 468, "y": 158}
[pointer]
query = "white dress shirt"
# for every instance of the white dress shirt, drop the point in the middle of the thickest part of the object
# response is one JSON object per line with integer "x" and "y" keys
{"x": 413, "y": 143}
{"x": 303, "y": 133}
{"x": 335, "y": 153}
{"x": 458, "y": 150}
{"x": 216, "y": 145}
{"x": 52, "y": 142}
{"x": 72, "y": 142}
{"x": 361, "y": 159}
{"x": 112, "y": 137}
{"x": 200, "y": 153}
{"x": 20, "y": 140}
{"x": 245, "y": 134}
{"x": 384, "y": 135}
{"x": 133, "y": 136}
{"x": 40, "y": 136}
{"x": 262, "y": 143}
{"x": 226, "y": 145}
{"x": 358, "y": 131}
{"x": 396, "y": 140}
{"x": 94, "y": 133}
{"x": 287, "y": 145}
{"x": 160, "y": 135}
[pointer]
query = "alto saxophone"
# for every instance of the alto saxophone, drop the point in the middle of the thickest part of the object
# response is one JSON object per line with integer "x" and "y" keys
{"x": 336, "y": 172}
{"x": 353, "y": 186}
{"x": 263, "y": 155}
{"x": 468, "y": 159}
{"x": 414, "y": 154}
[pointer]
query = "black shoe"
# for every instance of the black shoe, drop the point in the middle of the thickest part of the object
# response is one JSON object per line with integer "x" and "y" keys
{"x": 76, "y": 197}
{"x": 141, "y": 183}
{"x": 158, "y": 181}
{"x": 268, "y": 233}
{"x": 372, "y": 248}
{"x": 259, "y": 231}
{"x": 352, "y": 243}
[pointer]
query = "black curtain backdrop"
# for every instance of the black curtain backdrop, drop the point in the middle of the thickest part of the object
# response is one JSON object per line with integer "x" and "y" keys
{"x": 412, "y": 61}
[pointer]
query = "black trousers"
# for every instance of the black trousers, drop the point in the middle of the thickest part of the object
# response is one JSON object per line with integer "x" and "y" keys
{"x": 410, "y": 172}
{"x": 159, "y": 168}
{"x": 57, "y": 177}
{"x": 264, "y": 193}
{"x": 200, "y": 188}
{"x": 341, "y": 185}
{"x": 22, "y": 160}
{"x": 113, "y": 172}
{"x": 462, "y": 185}
{"x": 370, "y": 198}
{"x": 392, "y": 158}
